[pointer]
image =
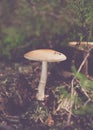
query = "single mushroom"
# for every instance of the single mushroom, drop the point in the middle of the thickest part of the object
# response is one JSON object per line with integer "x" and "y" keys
{"x": 44, "y": 55}
{"x": 86, "y": 48}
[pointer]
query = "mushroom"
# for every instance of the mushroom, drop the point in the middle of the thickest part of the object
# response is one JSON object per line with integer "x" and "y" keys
{"x": 44, "y": 55}
{"x": 86, "y": 48}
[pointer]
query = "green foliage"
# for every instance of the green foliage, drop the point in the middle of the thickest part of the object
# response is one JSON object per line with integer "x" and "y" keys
{"x": 86, "y": 88}
{"x": 84, "y": 81}
{"x": 83, "y": 18}
{"x": 85, "y": 110}
{"x": 80, "y": 101}
{"x": 11, "y": 38}
{"x": 61, "y": 93}
{"x": 81, "y": 107}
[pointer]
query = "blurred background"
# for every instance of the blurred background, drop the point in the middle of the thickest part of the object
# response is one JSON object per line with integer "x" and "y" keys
{"x": 31, "y": 24}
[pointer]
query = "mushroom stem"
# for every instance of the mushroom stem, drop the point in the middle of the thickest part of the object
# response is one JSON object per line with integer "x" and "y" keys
{"x": 42, "y": 83}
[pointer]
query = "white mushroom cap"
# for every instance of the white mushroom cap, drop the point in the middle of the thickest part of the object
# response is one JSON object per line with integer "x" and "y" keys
{"x": 45, "y": 55}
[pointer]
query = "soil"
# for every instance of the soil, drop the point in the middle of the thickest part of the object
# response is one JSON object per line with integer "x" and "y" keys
{"x": 19, "y": 109}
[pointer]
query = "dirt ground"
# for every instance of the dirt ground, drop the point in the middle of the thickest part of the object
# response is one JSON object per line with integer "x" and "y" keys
{"x": 19, "y": 108}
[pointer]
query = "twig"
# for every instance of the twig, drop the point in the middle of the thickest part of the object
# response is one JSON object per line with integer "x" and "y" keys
{"x": 72, "y": 102}
{"x": 83, "y": 62}
{"x": 72, "y": 87}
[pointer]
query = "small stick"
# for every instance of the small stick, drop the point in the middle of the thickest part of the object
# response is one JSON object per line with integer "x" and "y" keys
{"x": 72, "y": 86}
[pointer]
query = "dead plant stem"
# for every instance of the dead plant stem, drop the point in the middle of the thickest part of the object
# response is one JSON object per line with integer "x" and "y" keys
{"x": 72, "y": 87}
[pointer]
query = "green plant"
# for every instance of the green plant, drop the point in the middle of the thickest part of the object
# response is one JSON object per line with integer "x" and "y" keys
{"x": 82, "y": 19}
{"x": 11, "y": 38}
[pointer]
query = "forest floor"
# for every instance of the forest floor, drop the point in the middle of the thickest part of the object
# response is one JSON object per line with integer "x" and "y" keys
{"x": 19, "y": 108}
